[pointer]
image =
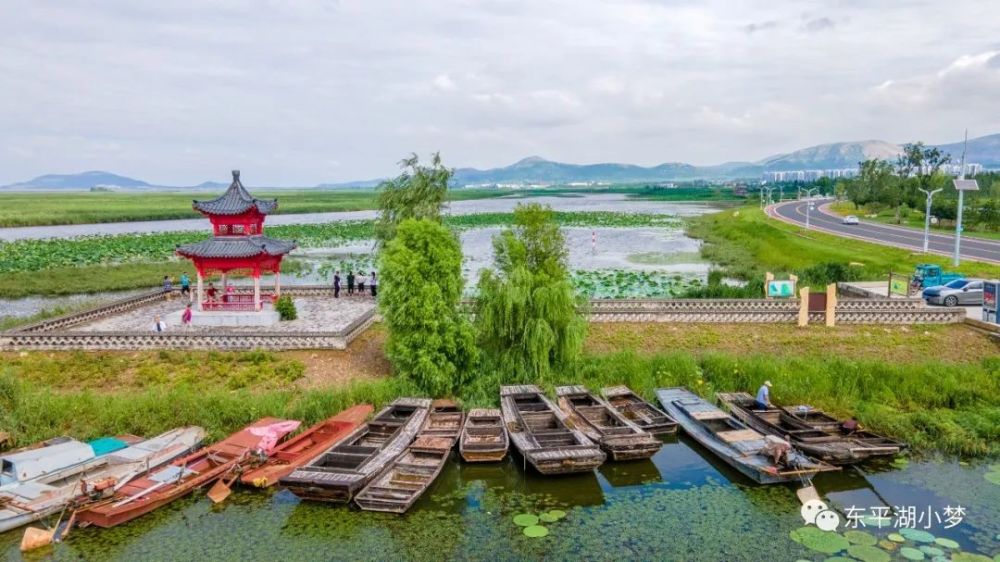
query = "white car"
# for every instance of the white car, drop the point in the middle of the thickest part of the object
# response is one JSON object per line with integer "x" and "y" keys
{"x": 850, "y": 219}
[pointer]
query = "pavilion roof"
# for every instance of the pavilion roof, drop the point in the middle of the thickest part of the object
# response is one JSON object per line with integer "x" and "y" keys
{"x": 236, "y": 247}
{"x": 236, "y": 200}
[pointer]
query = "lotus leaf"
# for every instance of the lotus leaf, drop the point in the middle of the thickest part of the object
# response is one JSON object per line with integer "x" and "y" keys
{"x": 946, "y": 543}
{"x": 931, "y": 551}
{"x": 992, "y": 477}
{"x": 547, "y": 518}
{"x": 969, "y": 557}
{"x": 536, "y": 531}
{"x": 896, "y": 537}
{"x": 860, "y": 537}
{"x": 867, "y": 553}
{"x": 911, "y": 553}
{"x": 888, "y": 545}
{"x": 525, "y": 520}
{"x": 917, "y": 535}
{"x": 813, "y": 538}
{"x": 900, "y": 462}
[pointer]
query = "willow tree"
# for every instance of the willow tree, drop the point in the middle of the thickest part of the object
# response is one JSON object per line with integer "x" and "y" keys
{"x": 429, "y": 341}
{"x": 418, "y": 192}
{"x": 527, "y": 312}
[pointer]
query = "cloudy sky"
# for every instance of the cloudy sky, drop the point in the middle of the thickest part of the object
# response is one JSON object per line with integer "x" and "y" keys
{"x": 302, "y": 92}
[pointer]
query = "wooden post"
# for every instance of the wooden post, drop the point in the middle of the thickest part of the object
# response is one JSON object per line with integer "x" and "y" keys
{"x": 256, "y": 289}
{"x": 225, "y": 282}
{"x": 888, "y": 290}
{"x": 768, "y": 277}
{"x": 277, "y": 283}
{"x": 831, "y": 305}
{"x": 201, "y": 293}
{"x": 804, "y": 306}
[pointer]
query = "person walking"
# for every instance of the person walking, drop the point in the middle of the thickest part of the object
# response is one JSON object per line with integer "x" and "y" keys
{"x": 336, "y": 285}
{"x": 361, "y": 282}
{"x": 186, "y": 316}
{"x": 763, "y": 400}
{"x": 168, "y": 287}
{"x": 185, "y": 285}
{"x": 373, "y": 283}
{"x": 350, "y": 282}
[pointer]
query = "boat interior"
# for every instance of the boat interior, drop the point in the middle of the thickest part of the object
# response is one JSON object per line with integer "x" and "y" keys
{"x": 638, "y": 411}
{"x": 597, "y": 414}
{"x": 351, "y": 455}
{"x": 484, "y": 430}
{"x": 542, "y": 423}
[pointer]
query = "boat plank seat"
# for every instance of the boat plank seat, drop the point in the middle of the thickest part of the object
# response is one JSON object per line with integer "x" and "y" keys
{"x": 564, "y": 453}
{"x": 709, "y": 415}
{"x": 736, "y": 435}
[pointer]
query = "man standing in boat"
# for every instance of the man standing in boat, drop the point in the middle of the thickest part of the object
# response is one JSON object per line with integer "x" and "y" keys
{"x": 763, "y": 401}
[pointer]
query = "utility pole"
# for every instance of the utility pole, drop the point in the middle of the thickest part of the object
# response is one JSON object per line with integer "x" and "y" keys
{"x": 927, "y": 216}
{"x": 962, "y": 185}
{"x": 809, "y": 203}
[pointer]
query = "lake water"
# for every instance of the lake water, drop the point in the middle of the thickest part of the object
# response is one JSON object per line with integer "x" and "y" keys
{"x": 659, "y": 261}
{"x": 682, "y": 505}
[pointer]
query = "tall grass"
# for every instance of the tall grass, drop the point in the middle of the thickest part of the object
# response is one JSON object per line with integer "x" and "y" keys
{"x": 935, "y": 406}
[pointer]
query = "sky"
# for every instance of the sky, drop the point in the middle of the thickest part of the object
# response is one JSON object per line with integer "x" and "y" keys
{"x": 304, "y": 92}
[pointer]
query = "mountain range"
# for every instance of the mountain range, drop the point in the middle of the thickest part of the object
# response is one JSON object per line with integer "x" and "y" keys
{"x": 534, "y": 169}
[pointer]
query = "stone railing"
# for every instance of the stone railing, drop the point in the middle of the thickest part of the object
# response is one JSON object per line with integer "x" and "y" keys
{"x": 96, "y": 313}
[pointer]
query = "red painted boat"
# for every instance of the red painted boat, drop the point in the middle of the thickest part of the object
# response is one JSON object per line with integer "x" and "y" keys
{"x": 162, "y": 486}
{"x": 306, "y": 446}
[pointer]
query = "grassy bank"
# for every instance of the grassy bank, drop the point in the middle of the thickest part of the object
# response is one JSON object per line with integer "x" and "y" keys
{"x": 910, "y": 218}
{"x": 746, "y": 243}
{"x": 929, "y": 401}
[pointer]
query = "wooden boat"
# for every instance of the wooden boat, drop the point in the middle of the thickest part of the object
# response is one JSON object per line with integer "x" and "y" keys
{"x": 58, "y": 490}
{"x": 181, "y": 477}
{"x": 638, "y": 411}
{"x": 732, "y": 441}
{"x": 621, "y": 439}
{"x": 539, "y": 431}
{"x": 338, "y": 473}
{"x": 57, "y": 458}
{"x": 484, "y": 437}
{"x": 306, "y": 446}
{"x": 405, "y": 479}
{"x": 814, "y": 433}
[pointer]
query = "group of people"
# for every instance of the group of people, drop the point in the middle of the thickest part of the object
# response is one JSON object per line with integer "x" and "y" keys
{"x": 185, "y": 283}
{"x": 356, "y": 283}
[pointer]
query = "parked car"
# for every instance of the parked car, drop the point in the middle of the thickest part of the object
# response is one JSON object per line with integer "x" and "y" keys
{"x": 957, "y": 292}
{"x": 851, "y": 219}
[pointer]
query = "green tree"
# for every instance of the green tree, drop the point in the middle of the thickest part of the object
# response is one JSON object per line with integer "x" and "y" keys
{"x": 875, "y": 184}
{"x": 430, "y": 341}
{"x": 527, "y": 313}
{"x": 417, "y": 193}
{"x": 918, "y": 167}
{"x": 989, "y": 214}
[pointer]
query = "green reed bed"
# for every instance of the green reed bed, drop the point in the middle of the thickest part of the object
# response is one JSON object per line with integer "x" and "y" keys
{"x": 935, "y": 406}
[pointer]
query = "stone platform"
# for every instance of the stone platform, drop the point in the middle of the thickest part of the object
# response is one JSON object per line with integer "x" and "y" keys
{"x": 227, "y": 318}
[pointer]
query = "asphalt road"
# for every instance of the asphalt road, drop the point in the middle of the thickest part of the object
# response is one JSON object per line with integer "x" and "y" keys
{"x": 901, "y": 237}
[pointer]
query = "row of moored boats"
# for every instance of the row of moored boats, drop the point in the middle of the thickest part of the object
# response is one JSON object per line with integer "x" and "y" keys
{"x": 387, "y": 462}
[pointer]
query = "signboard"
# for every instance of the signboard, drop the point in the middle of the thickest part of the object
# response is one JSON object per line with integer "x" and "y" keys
{"x": 966, "y": 185}
{"x": 990, "y": 290}
{"x": 899, "y": 285}
{"x": 781, "y": 289}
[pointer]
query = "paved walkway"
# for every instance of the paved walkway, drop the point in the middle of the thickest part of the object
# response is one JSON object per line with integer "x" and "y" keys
{"x": 315, "y": 314}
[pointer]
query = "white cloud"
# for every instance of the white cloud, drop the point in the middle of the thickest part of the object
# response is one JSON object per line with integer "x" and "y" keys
{"x": 183, "y": 91}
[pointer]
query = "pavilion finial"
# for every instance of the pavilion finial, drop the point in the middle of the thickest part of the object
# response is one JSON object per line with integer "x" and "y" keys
{"x": 236, "y": 175}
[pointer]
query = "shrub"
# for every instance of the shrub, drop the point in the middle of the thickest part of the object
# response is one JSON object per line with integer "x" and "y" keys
{"x": 286, "y": 308}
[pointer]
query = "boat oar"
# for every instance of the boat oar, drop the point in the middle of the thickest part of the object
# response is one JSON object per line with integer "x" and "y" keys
{"x": 221, "y": 490}
{"x": 36, "y": 538}
{"x": 807, "y": 493}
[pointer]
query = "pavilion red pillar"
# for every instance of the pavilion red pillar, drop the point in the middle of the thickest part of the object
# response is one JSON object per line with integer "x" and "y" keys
{"x": 256, "y": 287}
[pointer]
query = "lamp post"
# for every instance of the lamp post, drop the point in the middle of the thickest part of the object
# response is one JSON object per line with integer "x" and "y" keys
{"x": 927, "y": 216}
{"x": 809, "y": 203}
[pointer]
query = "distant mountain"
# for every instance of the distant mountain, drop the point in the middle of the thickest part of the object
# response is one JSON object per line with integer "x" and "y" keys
{"x": 982, "y": 150}
{"x": 534, "y": 169}
{"x": 83, "y": 180}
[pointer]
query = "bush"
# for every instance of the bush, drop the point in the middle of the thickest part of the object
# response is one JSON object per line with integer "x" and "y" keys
{"x": 286, "y": 308}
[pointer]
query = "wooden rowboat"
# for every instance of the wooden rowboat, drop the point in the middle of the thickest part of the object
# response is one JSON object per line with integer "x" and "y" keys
{"x": 638, "y": 411}
{"x": 306, "y": 446}
{"x": 58, "y": 490}
{"x": 177, "y": 479}
{"x": 338, "y": 473}
{"x": 732, "y": 441}
{"x": 397, "y": 487}
{"x": 814, "y": 433}
{"x": 621, "y": 439}
{"x": 539, "y": 431}
{"x": 484, "y": 437}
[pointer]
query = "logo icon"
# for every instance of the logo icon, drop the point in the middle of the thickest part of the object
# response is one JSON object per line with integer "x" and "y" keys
{"x": 815, "y": 512}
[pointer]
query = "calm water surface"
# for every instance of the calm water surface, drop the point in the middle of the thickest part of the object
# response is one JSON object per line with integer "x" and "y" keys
{"x": 682, "y": 505}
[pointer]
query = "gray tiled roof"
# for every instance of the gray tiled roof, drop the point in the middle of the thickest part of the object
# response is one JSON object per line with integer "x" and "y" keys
{"x": 236, "y": 247}
{"x": 235, "y": 200}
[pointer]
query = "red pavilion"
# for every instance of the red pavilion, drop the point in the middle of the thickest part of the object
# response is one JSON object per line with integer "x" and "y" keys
{"x": 238, "y": 244}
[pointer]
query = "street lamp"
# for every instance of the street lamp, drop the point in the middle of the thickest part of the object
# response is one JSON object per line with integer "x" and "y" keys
{"x": 809, "y": 203}
{"x": 927, "y": 216}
